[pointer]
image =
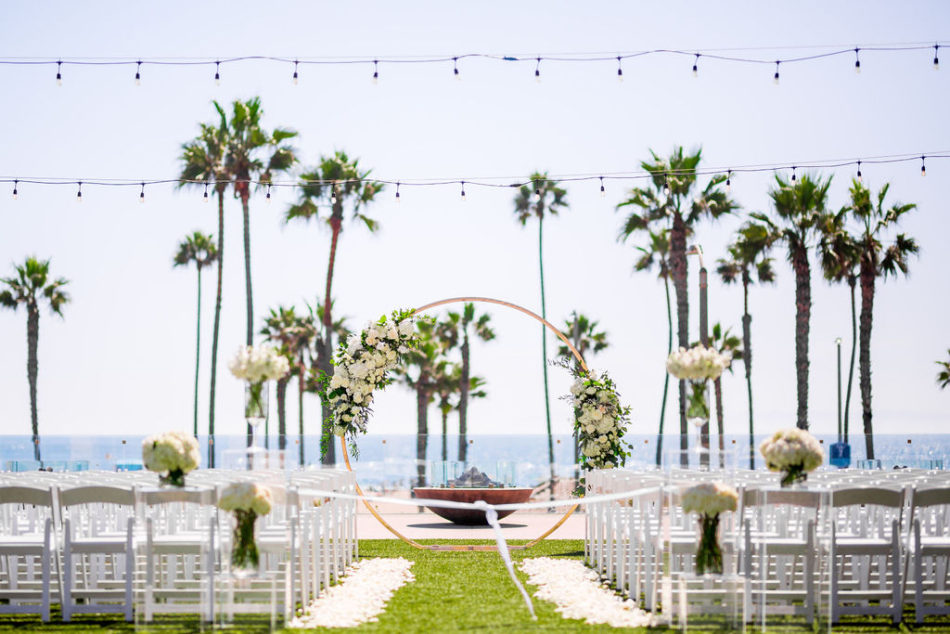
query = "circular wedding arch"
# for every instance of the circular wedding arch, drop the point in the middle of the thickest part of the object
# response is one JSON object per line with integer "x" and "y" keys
{"x": 455, "y": 547}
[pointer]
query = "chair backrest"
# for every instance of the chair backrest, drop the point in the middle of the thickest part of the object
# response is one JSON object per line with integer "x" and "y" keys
{"x": 97, "y": 495}
{"x": 187, "y": 496}
{"x": 931, "y": 497}
{"x": 756, "y": 497}
{"x": 867, "y": 496}
{"x": 26, "y": 495}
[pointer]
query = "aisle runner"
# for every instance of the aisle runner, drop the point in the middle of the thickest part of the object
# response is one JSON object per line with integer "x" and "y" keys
{"x": 362, "y": 595}
{"x": 578, "y": 593}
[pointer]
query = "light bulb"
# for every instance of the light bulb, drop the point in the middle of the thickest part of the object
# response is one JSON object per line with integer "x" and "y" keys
{"x": 455, "y": 69}
{"x": 775, "y": 76}
{"x": 696, "y": 66}
{"x": 537, "y": 71}
{"x": 666, "y": 190}
{"x": 267, "y": 195}
{"x": 79, "y": 193}
{"x": 619, "y": 70}
{"x": 397, "y": 193}
{"x": 729, "y": 182}
{"x": 603, "y": 192}
{"x": 217, "y": 73}
{"x": 793, "y": 173}
{"x": 936, "y": 58}
{"x": 923, "y": 167}
{"x": 375, "y": 71}
{"x": 15, "y": 194}
{"x": 857, "y": 62}
{"x": 295, "y": 72}
{"x": 859, "y": 171}
{"x": 59, "y": 73}
{"x": 138, "y": 74}
{"x": 142, "y": 194}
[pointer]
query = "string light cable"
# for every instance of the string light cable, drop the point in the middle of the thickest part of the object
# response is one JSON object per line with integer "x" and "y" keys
{"x": 804, "y": 54}
{"x": 727, "y": 174}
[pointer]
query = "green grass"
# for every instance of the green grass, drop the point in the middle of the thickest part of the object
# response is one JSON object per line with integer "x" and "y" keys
{"x": 453, "y": 591}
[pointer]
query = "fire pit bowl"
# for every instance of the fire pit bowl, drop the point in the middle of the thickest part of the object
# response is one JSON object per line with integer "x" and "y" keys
{"x": 471, "y": 517}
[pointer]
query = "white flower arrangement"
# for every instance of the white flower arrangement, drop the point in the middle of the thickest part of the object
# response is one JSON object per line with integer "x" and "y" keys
{"x": 794, "y": 452}
{"x": 172, "y": 455}
{"x": 256, "y": 364}
{"x": 698, "y": 363}
{"x": 709, "y": 498}
{"x": 600, "y": 420}
{"x": 246, "y": 496}
{"x": 362, "y": 366}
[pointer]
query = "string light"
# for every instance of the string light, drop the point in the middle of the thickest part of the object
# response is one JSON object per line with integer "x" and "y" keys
{"x": 59, "y": 73}
{"x": 397, "y": 192}
{"x": 295, "y": 72}
{"x": 206, "y": 192}
{"x": 537, "y": 192}
{"x": 267, "y": 194}
{"x": 375, "y": 71}
{"x": 463, "y": 191}
{"x": 793, "y": 173}
{"x": 15, "y": 193}
{"x": 217, "y": 73}
{"x": 79, "y": 192}
{"x": 619, "y": 68}
{"x": 603, "y": 192}
{"x": 775, "y": 76}
{"x": 857, "y": 61}
{"x": 138, "y": 73}
{"x": 333, "y": 193}
{"x": 859, "y": 171}
{"x": 729, "y": 182}
{"x": 455, "y": 67}
{"x": 537, "y": 71}
{"x": 923, "y": 167}
{"x": 936, "y": 59}
{"x": 142, "y": 194}
{"x": 696, "y": 66}
{"x": 666, "y": 185}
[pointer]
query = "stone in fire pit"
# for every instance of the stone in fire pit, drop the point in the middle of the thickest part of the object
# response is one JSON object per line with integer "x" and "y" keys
{"x": 471, "y": 486}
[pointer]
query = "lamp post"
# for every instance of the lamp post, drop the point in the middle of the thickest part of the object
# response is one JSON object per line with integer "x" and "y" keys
{"x": 840, "y": 452}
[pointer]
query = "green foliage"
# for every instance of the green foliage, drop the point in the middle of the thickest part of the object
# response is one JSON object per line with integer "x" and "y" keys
{"x": 31, "y": 283}
{"x": 543, "y": 197}
{"x": 198, "y": 248}
{"x": 943, "y": 376}
{"x": 335, "y": 182}
{"x": 583, "y": 334}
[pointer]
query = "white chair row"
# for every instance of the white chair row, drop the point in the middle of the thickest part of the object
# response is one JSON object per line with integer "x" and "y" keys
{"x": 106, "y": 542}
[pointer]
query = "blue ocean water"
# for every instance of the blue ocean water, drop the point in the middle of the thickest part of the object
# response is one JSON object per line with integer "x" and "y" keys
{"x": 390, "y": 460}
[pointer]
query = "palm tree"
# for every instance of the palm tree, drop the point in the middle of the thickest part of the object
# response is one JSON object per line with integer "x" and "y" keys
{"x": 198, "y": 248}
{"x": 203, "y": 165}
{"x": 461, "y": 327}
{"x": 292, "y": 333}
{"x": 447, "y": 389}
{"x": 30, "y": 285}
{"x": 585, "y": 338}
{"x": 724, "y": 342}
{"x": 320, "y": 342}
{"x": 800, "y": 207}
{"x": 253, "y": 154}
{"x": 658, "y": 253}
{"x": 748, "y": 255}
{"x": 876, "y": 260}
{"x": 670, "y": 199}
{"x": 426, "y": 358}
{"x": 943, "y": 376}
{"x": 839, "y": 254}
{"x": 543, "y": 198}
{"x": 338, "y": 182}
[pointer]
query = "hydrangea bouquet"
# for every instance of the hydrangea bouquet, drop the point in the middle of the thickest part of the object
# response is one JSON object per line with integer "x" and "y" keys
{"x": 247, "y": 501}
{"x": 171, "y": 455}
{"x": 698, "y": 365}
{"x": 362, "y": 366}
{"x": 256, "y": 365}
{"x": 600, "y": 420}
{"x": 709, "y": 499}
{"x": 794, "y": 452}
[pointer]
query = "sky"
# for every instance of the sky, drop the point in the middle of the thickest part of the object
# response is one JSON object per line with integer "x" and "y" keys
{"x": 121, "y": 360}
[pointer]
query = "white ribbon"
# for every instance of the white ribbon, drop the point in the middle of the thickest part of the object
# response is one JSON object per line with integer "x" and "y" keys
{"x": 492, "y": 516}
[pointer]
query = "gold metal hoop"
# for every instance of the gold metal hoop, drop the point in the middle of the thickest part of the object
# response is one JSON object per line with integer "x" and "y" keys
{"x": 452, "y": 547}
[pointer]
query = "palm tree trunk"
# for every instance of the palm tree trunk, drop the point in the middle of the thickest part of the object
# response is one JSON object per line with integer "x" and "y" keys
{"x": 197, "y": 353}
{"x": 867, "y": 314}
{"x": 666, "y": 375}
{"x": 464, "y": 383}
{"x": 282, "y": 384}
{"x": 217, "y": 324}
{"x": 544, "y": 356}
{"x": 329, "y": 453}
{"x": 422, "y": 436}
{"x": 717, "y": 388}
{"x": 679, "y": 270}
{"x": 245, "y": 208}
{"x": 747, "y": 360}
{"x": 301, "y": 384}
{"x": 32, "y": 369}
{"x": 802, "y": 318}
{"x": 852, "y": 282}
{"x": 445, "y": 431}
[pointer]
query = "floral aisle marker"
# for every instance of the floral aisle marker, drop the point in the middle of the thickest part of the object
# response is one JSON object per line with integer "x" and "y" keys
{"x": 709, "y": 499}
{"x": 247, "y": 501}
{"x": 600, "y": 420}
{"x": 360, "y": 597}
{"x": 794, "y": 452}
{"x": 698, "y": 365}
{"x": 172, "y": 455}
{"x": 362, "y": 366}
{"x": 256, "y": 365}
{"x": 578, "y": 593}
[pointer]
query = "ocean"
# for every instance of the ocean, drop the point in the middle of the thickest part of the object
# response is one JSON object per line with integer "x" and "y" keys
{"x": 389, "y": 461}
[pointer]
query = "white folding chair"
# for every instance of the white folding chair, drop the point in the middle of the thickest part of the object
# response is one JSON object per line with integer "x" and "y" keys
{"x": 930, "y": 510}
{"x": 26, "y": 549}
{"x": 98, "y": 550}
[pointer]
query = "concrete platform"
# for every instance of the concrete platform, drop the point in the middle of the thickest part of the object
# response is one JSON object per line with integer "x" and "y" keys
{"x": 428, "y": 525}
